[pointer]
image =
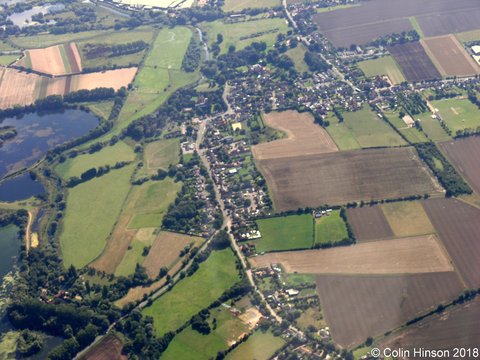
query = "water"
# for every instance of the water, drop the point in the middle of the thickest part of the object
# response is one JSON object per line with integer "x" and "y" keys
{"x": 36, "y": 134}
{"x": 24, "y": 18}
{"x": 20, "y": 188}
{"x": 10, "y": 245}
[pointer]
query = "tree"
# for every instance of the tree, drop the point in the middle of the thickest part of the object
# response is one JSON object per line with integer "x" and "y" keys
{"x": 219, "y": 38}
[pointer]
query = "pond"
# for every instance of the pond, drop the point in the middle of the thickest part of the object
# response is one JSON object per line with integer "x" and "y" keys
{"x": 10, "y": 245}
{"x": 24, "y": 18}
{"x": 20, "y": 188}
{"x": 37, "y": 133}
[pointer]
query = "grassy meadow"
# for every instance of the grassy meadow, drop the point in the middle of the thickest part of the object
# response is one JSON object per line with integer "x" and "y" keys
{"x": 297, "y": 54}
{"x": 134, "y": 255}
{"x": 432, "y": 128}
{"x": 239, "y": 5}
{"x": 382, "y": 66}
{"x": 459, "y": 114}
{"x": 330, "y": 229}
{"x": 160, "y": 154}
{"x": 260, "y": 346}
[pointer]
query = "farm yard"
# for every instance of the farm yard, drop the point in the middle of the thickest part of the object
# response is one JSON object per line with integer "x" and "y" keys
{"x": 346, "y": 301}
{"x": 383, "y": 66}
{"x": 415, "y": 63}
{"x": 338, "y": 178}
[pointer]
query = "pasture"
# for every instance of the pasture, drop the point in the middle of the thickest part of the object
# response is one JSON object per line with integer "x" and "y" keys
{"x": 459, "y": 114}
{"x": 46, "y": 40}
{"x": 369, "y": 223}
{"x": 297, "y": 56}
{"x": 357, "y": 307}
{"x": 260, "y": 346}
{"x": 135, "y": 253}
{"x": 414, "y": 62}
{"x": 217, "y": 274}
{"x": 285, "y": 233}
{"x": 85, "y": 227}
{"x": 239, "y": 5}
{"x": 160, "y": 154}
{"x": 7, "y": 59}
{"x": 407, "y": 218}
{"x": 421, "y": 254}
{"x": 432, "y": 128}
{"x": 330, "y": 229}
{"x": 338, "y": 178}
{"x": 382, "y": 66}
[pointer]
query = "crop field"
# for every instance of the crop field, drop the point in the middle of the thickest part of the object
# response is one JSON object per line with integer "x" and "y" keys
{"x": 357, "y": 307}
{"x": 217, "y": 274}
{"x": 239, "y": 5}
{"x": 81, "y": 244}
{"x": 285, "y": 233}
{"x": 467, "y": 36}
{"x": 165, "y": 251}
{"x": 338, "y": 178}
{"x": 459, "y": 114}
{"x": 109, "y": 348}
{"x": 415, "y": 63}
{"x": 452, "y": 58}
{"x": 369, "y": 223}
{"x": 407, "y": 218}
{"x": 54, "y": 60}
{"x": 259, "y": 346}
{"x": 304, "y": 137}
{"x": 459, "y": 21}
{"x": 383, "y": 66}
{"x": 109, "y": 155}
{"x": 454, "y": 328}
{"x": 421, "y": 254}
{"x": 330, "y": 229}
{"x": 111, "y": 79}
{"x": 463, "y": 154}
{"x": 160, "y": 154}
{"x": 458, "y": 226}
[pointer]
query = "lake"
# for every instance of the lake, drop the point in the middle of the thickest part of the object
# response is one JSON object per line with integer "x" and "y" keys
{"x": 20, "y": 188}
{"x": 24, "y": 18}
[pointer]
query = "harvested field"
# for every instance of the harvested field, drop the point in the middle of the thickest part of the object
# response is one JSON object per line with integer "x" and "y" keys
{"x": 463, "y": 154}
{"x": 369, "y": 223}
{"x": 165, "y": 251}
{"x": 450, "y": 22}
{"x": 420, "y": 254}
{"x": 407, "y": 218}
{"x": 17, "y": 88}
{"x": 304, "y": 137}
{"x": 109, "y": 348}
{"x": 458, "y": 226}
{"x": 414, "y": 62}
{"x": 452, "y": 58}
{"x": 110, "y": 78}
{"x": 341, "y": 177}
{"x": 455, "y": 328}
{"x": 357, "y": 307}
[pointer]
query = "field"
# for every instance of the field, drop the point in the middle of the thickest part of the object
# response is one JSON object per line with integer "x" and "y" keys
{"x": 217, "y": 274}
{"x": 330, "y": 229}
{"x": 458, "y": 226}
{"x": 109, "y": 155}
{"x": 432, "y": 127}
{"x": 421, "y": 254}
{"x": 45, "y": 40}
{"x": 414, "y": 62}
{"x": 407, "y": 218}
{"x": 304, "y": 137}
{"x": 239, "y": 5}
{"x": 459, "y": 114}
{"x": 54, "y": 60}
{"x": 382, "y": 66}
{"x": 369, "y": 223}
{"x": 285, "y": 233}
{"x": 452, "y": 58}
{"x": 81, "y": 244}
{"x": 160, "y": 154}
{"x": 463, "y": 154}
{"x": 259, "y": 346}
{"x": 341, "y": 177}
{"x": 165, "y": 251}
{"x": 297, "y": 55}
{"x": 7, "y": 59}
{"x": 357, "y": 307}
{"x": 451, "y": 22}
{"x": 102, "y": 109}
{"x": 109, "y": 348}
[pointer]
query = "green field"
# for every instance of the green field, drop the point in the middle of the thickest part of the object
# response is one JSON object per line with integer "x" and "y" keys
{"x": 382, "y": 66}
{"x": 297, "y": 54}
{"x": 432, "y": 128}
{"x": 102, "y": 109}
{"x": 217, "y": 274}
{"x": 411, "y": 133}
{"x": 333, "y": 8}
{"x": 459, "y": 114}
{"x": 259, "y": 346}
{"x": 341, "y": 135}
{"x": 109, "y": 155}
{"x": 330, "y": 229}
{"x": 92, "y": 209}
{"x": 160, "y": 154}
{"x": 232, "y": 33}
{"x": 285, "y": 233}
{"x": 239, "y": 5}
{"x": 44, "y": 40}
{"x": 133, "y": 256}
{"x": 191, "y": 345}
{"x": 8, "y": 59}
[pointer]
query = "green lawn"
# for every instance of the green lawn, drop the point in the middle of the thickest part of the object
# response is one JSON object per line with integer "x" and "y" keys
{"x": 259, "y": 346}
{"x": 217, "y": 274}
{"x": 160, "y": 154}
{"x": 383, "y": 66}
{"x": 341, "y": 135}
{"x": 285, "y": 233}
{"x": 190, "y": 344}
{"x": 133, "y": 256}
{"x": 411, "y": 133}
{"x": 8, "y": 59}
{"x": 109, "y": 155}
{"x": 44, "y": 40}
{"x": 459, "y": 114}
{"x": 294, "y": 280}
{"x": 92, "y": 209}
{"x": 239, "y": 5}
{"x": 297, "y": 54}
{"x": 330, "y": 229}
{"x": 102, "y": 109}
{"x": 432, "y": 128}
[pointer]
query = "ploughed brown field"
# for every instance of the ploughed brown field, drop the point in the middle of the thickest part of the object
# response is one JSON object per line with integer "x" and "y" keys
{"x": 455, "y": 328}
{"x": 419, "y": 254}
{"x": 369, "y": 223}
{"x": 109, "y": 348}
{"x": 451, "y": 57}
{"x": 464, "y": 154}
{"x": 357, "y": 307}
{"x": 375, "y": 18}
{"x": 341, "y": 177}
{"x": 458, "y": 227}
{"x": 414, "y": 62}
{"x": 304, "y": 137}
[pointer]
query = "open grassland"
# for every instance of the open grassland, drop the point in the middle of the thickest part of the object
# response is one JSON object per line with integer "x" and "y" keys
{"x": 342, "y": 136}
{"x": 330, "y": 229}
{"x": 161, "y": 154}
{"x": 191, "y": 345}
{"x": 432, "y": 128}
{"x": 304, "y": 137}
{"x": 357, "y": 307}
{"x": 382, "y": 66}
{"x": 109, "y": 348}
{"x": 407, "y": 218}
{"x": 102, "y": 109}
{"x": 260, "y": 346}
{"x": 45, "y": 40}
{"x": 135, "y": 254}
{"x": 421, "y": 254}
{"x": 458, "y": 226}
{"x": 297, "y": 56}
{"x": 87, "y": 227}
{"x": 217, "y": 274}
{"x": 338, "y": 178}
{"x": 239, "y": 5}
{"x": 369, "y": 223}
{"x": 459, "y": 114}
{"x": 414, "y": 62}
{"x": 109, "y": 155}
{"x": 242, "y": 34}
{"x": 7, "y": 59}
{"x": 285, "y": 233}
